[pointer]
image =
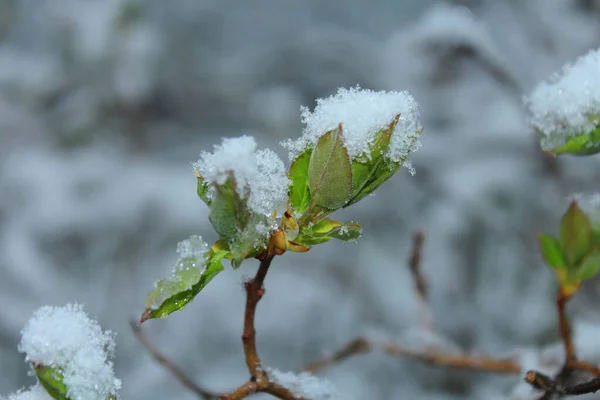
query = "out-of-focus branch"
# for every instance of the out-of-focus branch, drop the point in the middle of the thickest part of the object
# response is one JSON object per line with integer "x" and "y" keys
{"x": 421, "y": 287}
{"x": 173, "y": 369}
{"x": 430, "y": 357}
{"x": 590, "y": 368}
{"x": 551, "y": 386}
{"x": 355, "y": 347}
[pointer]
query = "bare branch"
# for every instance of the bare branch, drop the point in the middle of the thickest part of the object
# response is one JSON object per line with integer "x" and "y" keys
{"x": 356, "y": 346}
{"x": 563, "y": 324}
{"x": 173, "y": 369}
{"x": 551, "y": 386}
{"x": 430, "y": 357}
{"x": 421, "y": 287}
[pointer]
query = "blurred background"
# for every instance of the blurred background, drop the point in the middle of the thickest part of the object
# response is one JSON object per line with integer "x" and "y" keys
{"x": 105, "y": 103}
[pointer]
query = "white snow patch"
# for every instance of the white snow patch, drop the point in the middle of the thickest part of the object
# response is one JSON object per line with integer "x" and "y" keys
{"x": 363, "y": 113}
{"x": 36, "y": 392}
{"x": 65, "y": 338}
{"x": 192, "y": 247}
{"x": 260, "y": 175}
{"x": 305, "y": 385}
{"x": 563, "y": 106}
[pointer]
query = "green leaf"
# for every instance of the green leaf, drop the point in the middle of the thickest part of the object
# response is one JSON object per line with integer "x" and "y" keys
{"x": 52, "y": 380}
{"x": 202, "y": 188}
{"x": 330, "y": 171}
{"x": 552, "y": 251}
{"x": 326, "y": 230}
{"x": 191, "y": 276}
{"x": 249, "y": 248}
{"x": 585, "y": 144}
{"x": 367, "y": 170}
{"x": 589, "y": 267}
{"x": 228, "y": 212}
{"x": 576, "y": 236}
{"x": 347, "y": 232}
{"x": 298, "y": 174}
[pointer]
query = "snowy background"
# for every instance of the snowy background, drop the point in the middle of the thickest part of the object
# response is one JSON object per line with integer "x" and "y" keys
{"x": 104, "y": 104}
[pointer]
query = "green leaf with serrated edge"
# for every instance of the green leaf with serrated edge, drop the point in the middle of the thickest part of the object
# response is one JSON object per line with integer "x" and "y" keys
{"x": 192, "y": 276}
{"x": 330, "y": 171}
{"x": 326, "y": 230}
{"x": 589, "y": 267}
{"x": 576, "y": 236}
{"x": 202, "y": 188}
{"x": 299, "y": 197}
{"x": 382, "y": 170}
{"x": 228, "y": 212}
{"x": 52, "y": 380}
{"x": 552, "y": 252}
{"x": 584, "y": 144}
{"x": 364, "y": 168}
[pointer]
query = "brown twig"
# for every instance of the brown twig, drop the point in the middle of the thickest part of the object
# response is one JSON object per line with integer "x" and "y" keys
{"x": 356, "y": 346}
{"x": 458, "y": 361}
{"x": 570, "y": 361}
{"x": 259, "y": 381}
{"x": 254, "y": 292}
{"x": 165, "y": 362}
{"x": 421, "y": 287}
{"x": 430, "y": 357}
{"x": 563, "y": 325}
{"x": 414, "y": 262}
{"x": 590, "y": 368}
{"x": 551, "y": 386}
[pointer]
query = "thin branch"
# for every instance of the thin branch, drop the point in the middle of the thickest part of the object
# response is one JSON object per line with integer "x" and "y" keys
{"x": 430, "y": 357}
{"x": 563, "y": 325}
{"x": 414, "y": 262}
{"x": 421, "y": 287}
{"x": 551, "y": 386}
{"x": 280, "y": 392}
{"x": 569, "y": 347}
{"x": 458, "y": 361}
{"x": 254, "y": 292}
{"x": 585, "y": 366}
{"x": 173, "y": 369}
{"x": 259, "y": 381}
{"x": 356, "y": 346}
{"x": 241, "y": 392}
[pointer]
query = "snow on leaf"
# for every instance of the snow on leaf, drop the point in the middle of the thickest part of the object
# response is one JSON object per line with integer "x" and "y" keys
{"x": 567, "y": 106}
{"x": 35, "y": 392}
{"x": 305, "y": 385}
{"x": 195, "y": 268}
{"x": 260, "y": 175}
{"x": 66, "y": 339}
{"x": 363, "y": 113}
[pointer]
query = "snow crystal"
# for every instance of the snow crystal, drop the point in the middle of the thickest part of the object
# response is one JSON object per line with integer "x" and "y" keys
{"x": 34, "y": 393}
{"x": 305, "y": 385}
{"x": 363, "y": 113}
{"x": 590, "y": 204}
{"x": 561, "y": 107}
{"x": 192, "y": 247}
{"x": 260, "y": 175}
{"x": 65, "y": 338}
